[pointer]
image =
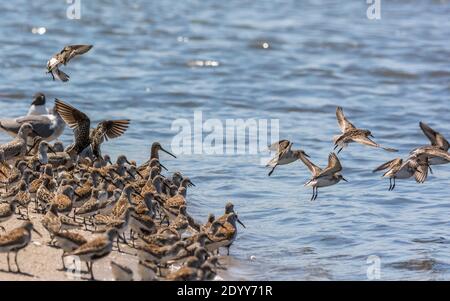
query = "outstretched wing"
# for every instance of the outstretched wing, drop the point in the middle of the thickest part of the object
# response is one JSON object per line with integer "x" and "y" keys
{"x": 334, "y": 166}
{"x": 389, "y": 164}
{"x": 315, "y": 170}
{"x": 343, "y": 122}
{"x": 71, "y": 51}
{"x": 73, "y": 117}
{"x": 369, "y": 142}
{"x": 435, "y": 138}
{"x": 280, "y": 146}
{"x": 114, "y": 128}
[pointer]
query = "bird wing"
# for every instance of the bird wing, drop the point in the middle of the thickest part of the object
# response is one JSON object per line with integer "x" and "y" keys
{"x": 280, "y": 145}
{"x": 314, "y": 169}
{"x": 334, "y": 166}
{"x": 71, "y": 51}
{"x": 435, "y": 138}
{"x": 389, "y": 164}
{"x": 73, "y": 117}
{"x": 114, "y": 128}
{"x": 369, "y": 142}
{"x": 421, "y": 173}
{"x": 343, "y": 122}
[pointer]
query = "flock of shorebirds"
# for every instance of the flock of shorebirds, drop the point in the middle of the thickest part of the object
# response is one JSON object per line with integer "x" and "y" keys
{"x": 416, "y": 165}
{"x": 91, "y": 206}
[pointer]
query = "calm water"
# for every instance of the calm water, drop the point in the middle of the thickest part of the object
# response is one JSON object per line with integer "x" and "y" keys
{"x": 387, "y": 74}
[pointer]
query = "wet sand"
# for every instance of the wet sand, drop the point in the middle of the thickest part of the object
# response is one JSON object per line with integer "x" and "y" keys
{"x": 41, "y": 261}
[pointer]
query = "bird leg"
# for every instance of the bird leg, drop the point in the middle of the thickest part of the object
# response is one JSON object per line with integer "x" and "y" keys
{"x": 390, "y": 184}
{"x": 15, "y": 260}
{"x": 393, "y": 185}
{"x": 273, "y": 169}
{"x": 9, "y": 266}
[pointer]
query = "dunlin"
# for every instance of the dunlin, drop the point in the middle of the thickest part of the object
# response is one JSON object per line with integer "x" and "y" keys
{"x": 326, "y": 177}
{"x": 68, "y": 242}
{"x": 284, "y": 154}
{"x": 352, "y": 134}
{"x": 16, "y": 240}
{"x": 95, "y": 249}
{"x": 63, "y": 57}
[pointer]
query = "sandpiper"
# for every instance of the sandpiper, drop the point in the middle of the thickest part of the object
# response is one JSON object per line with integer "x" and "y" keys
{"x": 121, "y": 272}
{"x": 107, "y": 129}
{"x": 352, "y": 134}
{"x": 187, "y": 273}
{"x": 63, "y": 57}
{"x": 7, "y": 211}
{"x": 160, "y": 255}
{"x": 284, "y": 154}
{"x": 68, "y": 242}
{"x": 326, "y": 177}
{"x": 17, "y": 148}
{"x": 228, "y": 231}
{"x": 16, "y": 240}
{"x": 80, "y": 123}
{"x": 95, "y": 249}
{"x": 397, "y": 169}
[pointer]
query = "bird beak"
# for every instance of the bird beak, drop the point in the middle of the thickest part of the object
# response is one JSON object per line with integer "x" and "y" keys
{"x": 192, "y": 184}
{"x": 239, "y": 221}
{"x": 344, "y": 179}
{"x": 163, "y": 167}
{"x": 51, "y": 149}
{"x": 1, "y": 172}
{"x": 128, "y": 172}
{"x": 76, "y": 194}
{"x": 167, "y": 152}
{"x": 37, "y": 232}
{"x": 371, "y": 136}
{"x": 137, "y": 171}
{"x": 167, "y": 185}
{"x": 36, "y": 133}
{"x": 306, "y": 155}
{"x": 128, "y": 162}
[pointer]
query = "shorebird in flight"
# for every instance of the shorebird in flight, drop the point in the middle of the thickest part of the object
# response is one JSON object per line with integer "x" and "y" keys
{"x": 352, "y": 134}
{"x": 284, "y": 154}
{"x": 84, "y": 135}
{"x": 399, "y": 169}
{"x": 64, "y": 57}
{"x": 323, "y": 177}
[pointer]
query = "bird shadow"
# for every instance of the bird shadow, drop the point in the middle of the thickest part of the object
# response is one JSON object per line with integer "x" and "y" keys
{"x": 18, "y": 273}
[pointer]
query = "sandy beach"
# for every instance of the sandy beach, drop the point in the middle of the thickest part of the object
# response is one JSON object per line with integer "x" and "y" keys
{"x": 41, "y": 261}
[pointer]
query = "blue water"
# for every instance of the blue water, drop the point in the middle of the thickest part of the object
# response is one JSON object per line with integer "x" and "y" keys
{"x": 388, "y": 74}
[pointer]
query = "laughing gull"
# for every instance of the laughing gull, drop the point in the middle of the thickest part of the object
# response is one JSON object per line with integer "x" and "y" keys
{"x": 49, "y": 126}
{"x": 38, "y": 105}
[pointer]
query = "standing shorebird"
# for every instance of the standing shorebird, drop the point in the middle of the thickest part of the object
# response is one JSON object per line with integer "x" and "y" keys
{"x": 95, "y": 249}
{"x": 17, "y": 148}
{"x": 326, "y": 177}
{"x": 63, "y": 57}
{"x": 284, "y": 154}
{"x": 16, "y": 240}
{"x": 81, "y": 125}
{"x": 352, "y": 134}
{"x": 68, "y": 242}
